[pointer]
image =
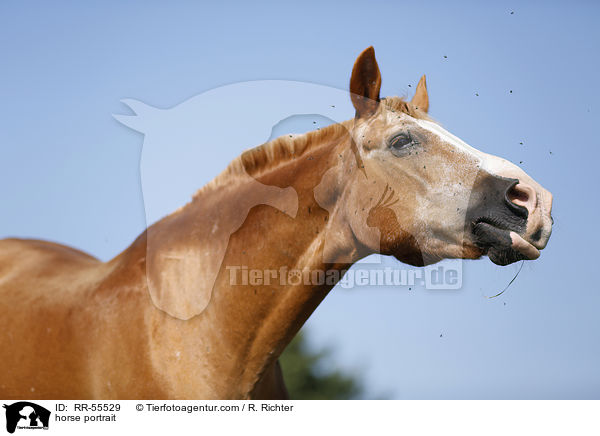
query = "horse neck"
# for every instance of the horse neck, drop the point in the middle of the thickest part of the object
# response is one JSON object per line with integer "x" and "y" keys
{"x": 250, "y": 319}
{"x": 284, "y": 245}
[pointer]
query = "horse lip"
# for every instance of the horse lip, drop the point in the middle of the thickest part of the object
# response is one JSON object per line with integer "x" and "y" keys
{"x": 501, "y": 244}
{"x": 524, "y": 247}
{"x": 494, "y": 222}
{"x": 487, "y": 235}
{"x": 495, "y": 242}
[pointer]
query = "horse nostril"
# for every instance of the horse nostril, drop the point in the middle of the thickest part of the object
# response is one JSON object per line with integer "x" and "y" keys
{"x": 522, "y": 195}
{"x": 516, "y": 194}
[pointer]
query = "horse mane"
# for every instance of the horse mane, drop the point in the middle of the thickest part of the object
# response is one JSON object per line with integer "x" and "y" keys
{"x": 257, "y": 160}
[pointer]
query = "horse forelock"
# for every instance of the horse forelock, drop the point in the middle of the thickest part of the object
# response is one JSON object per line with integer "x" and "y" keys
{"x": 401, "y": 105}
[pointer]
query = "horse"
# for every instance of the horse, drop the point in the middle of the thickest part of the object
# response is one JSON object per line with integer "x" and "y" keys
{"x": 163, "y": 320}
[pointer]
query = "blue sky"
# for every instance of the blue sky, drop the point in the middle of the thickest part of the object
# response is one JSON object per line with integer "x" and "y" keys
{"x": 70, "y": 172}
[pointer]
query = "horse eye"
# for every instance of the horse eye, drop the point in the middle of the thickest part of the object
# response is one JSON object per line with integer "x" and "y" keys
{"x": 401, "y": 141}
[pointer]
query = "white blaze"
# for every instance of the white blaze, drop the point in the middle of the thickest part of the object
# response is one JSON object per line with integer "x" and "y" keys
{"x": 488, "y": 162}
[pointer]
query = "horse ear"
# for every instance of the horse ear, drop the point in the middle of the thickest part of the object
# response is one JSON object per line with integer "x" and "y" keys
{"x": 421, "y": 99}
{"x": 365, "y": 84}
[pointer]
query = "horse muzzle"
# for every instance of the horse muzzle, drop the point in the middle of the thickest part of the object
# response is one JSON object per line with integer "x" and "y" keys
{"x": 509, "y": 218}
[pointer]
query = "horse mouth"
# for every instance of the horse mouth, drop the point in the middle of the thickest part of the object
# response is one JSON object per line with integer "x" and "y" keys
{"x": 500, "y": 243}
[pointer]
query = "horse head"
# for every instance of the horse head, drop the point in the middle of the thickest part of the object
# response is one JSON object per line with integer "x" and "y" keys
{"x": 429, "y": 194}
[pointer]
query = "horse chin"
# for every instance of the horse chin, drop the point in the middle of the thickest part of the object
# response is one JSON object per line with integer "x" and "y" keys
{"x": 504, "y": 257}
{"x": 502, "y": 246}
